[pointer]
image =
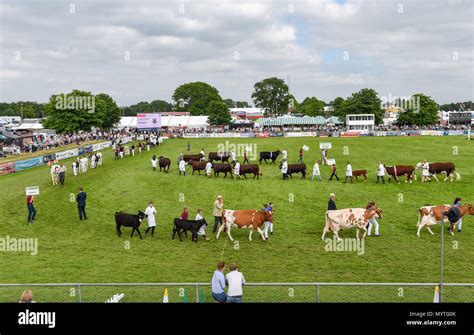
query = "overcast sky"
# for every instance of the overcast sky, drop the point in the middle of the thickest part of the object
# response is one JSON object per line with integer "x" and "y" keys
{"x": 142, "y": 50}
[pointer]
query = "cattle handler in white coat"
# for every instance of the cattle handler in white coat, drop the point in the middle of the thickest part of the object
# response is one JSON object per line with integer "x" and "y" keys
{"x": 150, "y": 213}
{"x": 182, "y": 167}
{"x": 349, "y": 172}
{"x": 380, "y": 172}
{"x": 425, "y": 171}
{"x": 284, "y": 169}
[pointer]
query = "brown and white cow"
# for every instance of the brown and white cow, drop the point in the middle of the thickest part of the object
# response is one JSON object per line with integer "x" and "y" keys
{"x": 401, "y": 170}
{"x": 447, "y": 168}
{"x": 349, "y": 218}
{"x": 431, "y": 215}
{"x": 251, "y": 219}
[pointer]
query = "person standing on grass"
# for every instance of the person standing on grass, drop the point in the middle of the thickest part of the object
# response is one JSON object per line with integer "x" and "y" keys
{"x": 457, "y": 203}
{"x": 81, "y": 203}
{"x": 208, "y": 169}
{"x": 62, "y": 173}
{"x": 332, "y": 202}
{"x": 217, "y": 212}
{"x": 267, "y": 225}
{"x": 185, "y": 214}
{"x": 182, "y": 167}
{"x": 324, "y": 157}
{"x": 348, "y": 172}
{"x": 284, "y": 169}
{"x": 218, "y": 284}
{"x": 246, "y": 159}
{"x": 380, "y": 172}
{"x": 30, "y": 200}
{"x": 316, "y": 171}
{"x": 121, "y": 151}
{"x": 334, "y": 172}
{"x": 202, "y": 229}
{"x": 425, "y": 171}
{"x": 75, "y": 167}
{"x": 150, "y": 213}
{"x": 237, "y": 170}
{"x": 154, "y": 162}
{"x": 373, "y": 221}
{"x": 300, "y": 160}
{"x": 235, "y": 280}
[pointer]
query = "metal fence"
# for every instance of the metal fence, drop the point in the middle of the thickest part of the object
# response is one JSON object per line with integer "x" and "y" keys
{"x": 253, "y": 292}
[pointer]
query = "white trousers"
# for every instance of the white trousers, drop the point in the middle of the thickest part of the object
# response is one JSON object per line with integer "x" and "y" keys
{"x": 374, "y": 222}
{"x": 267, "y": 225}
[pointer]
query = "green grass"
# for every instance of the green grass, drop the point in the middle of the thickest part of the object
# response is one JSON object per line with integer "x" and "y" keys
{"x": 75, "y": 251}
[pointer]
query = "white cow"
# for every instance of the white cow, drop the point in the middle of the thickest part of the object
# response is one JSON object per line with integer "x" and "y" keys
{"x": 349, "y": 218}
{"x": 55, "y": 174}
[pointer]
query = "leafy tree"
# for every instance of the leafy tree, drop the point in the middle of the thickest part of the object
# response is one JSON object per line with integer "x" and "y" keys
{"x": 242, "y": 104}
{"x": 423, "y": 111}
{"x": 80, "y": 110}
{"x": 364, "y": 101}
{"x": 337, "y": 105}
{"x": 195, "y": 97}
{"x": 26, "y": 109}
{"x": 272, "y": 95}
{"x": 156, "y": 106}
{"x": 218, "y": 113}
{"x": 312, "y": 107}
{"x": 230, "y": 103}
{"x": 455, "y": 106}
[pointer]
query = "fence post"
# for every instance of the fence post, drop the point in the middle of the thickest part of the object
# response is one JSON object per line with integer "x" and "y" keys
{"x": 197, "y": 293}
{"x": 79, "y": 294}
{"x": 317, "y": 293}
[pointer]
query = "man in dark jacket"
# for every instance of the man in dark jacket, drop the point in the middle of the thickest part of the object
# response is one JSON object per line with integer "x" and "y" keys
{"x": 332, "y": 203}
{"x": 81, "y": 203}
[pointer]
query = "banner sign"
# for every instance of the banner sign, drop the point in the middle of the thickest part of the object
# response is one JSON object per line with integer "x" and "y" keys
{"x": 88, "y": 149}
{"x": 28, "y": 163}
{"x": 49, "y": 158}
{"x": 149, "y": 121}
{"x": 7, "y": 168}
{"x": 67, "y": 154}
{"x": 32, "y": 190}
{"x": 325, "y": 145}
{"x": 301, "y": 134}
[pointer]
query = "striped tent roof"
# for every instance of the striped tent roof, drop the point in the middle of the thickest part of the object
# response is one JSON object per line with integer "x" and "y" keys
{"x": 283, "y": 121}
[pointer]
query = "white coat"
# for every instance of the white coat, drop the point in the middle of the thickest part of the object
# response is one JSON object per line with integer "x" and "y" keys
{"x": 182, "y": 165}
{"x": 284, "y": 167}
{"x": 150, "y": 211}
{"x": 381, "y": 170}
{"x": 348, "y": 170}
{"x": 316, "y": 171}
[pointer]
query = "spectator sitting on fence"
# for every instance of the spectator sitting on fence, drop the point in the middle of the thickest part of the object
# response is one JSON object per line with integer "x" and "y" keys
{"x": 218, "y": 284}
{"x": 26, "y": 297}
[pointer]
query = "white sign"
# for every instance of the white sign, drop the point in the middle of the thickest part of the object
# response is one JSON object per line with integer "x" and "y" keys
{"x": 305, "y": 147}
{"x": 331, "y": 161}
{"x": 32, "y": 190}
{"x": 325, "y": 145}
{"x": 149, "y": 121}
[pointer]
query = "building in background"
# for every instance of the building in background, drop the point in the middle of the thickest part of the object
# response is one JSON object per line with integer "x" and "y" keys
{"x": 360, "y": 121}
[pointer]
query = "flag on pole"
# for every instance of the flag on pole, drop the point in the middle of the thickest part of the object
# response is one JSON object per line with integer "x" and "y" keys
{"x": 436, "y": 294}
{"x": 165, "y": 296}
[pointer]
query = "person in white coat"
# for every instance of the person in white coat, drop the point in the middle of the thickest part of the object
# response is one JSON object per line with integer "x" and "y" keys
{"x": 208, "y": 169}
{"x": 380, "y": 172}
{"x": 154, "y": 162}
{"x": 182, "y": 167}
{"x": 202, "y": 230}
{"x": 324, "y": 157}
{"x": 150, "y": 212}
{"x": 75, "y": 167}
{"x": 316, "y": 171}
{"x": 284, "y": 169}
{"x": 425, "y": 171}
{"x": 237, "y": 170}
{"x": 348, "y": 172}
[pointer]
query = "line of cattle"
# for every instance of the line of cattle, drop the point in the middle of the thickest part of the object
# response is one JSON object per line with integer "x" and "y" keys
{"x": 393, "y": 172}
{"x": 336, "y": 220}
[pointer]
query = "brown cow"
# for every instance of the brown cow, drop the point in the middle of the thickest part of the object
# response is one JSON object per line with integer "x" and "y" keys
{"x": 219, "y": 156}
{"x": 164, "y": 163}
{"x": 251, "y": 219}
{"x": 250, "y": 168}
{"x": 360, "y": 173}
{"x": 221, "y": 167}
{"x": 192, "y": 157}
{"x": 297, "y": 168}
{"x": 431, "y": 215}
{"x": 198, "y": 165}
{"x": 447, "y": 168}
{"x": 401, "y": 170}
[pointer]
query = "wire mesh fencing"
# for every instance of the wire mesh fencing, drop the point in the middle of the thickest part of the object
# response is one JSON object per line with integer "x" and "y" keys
{"x": 252, "y": 292}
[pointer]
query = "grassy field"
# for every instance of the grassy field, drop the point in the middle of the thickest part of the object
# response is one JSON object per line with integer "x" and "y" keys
{"x": 74, "y": 251}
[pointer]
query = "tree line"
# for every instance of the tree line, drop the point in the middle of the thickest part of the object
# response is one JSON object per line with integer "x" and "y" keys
{"x": 199, "y": 98}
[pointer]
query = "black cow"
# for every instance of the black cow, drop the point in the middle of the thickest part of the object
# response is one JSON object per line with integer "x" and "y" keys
{"x": 273, "y": 155}
{"x": 250, "y": 168}
{"x": 129, "y": 220}
{"x": 185, "y": 225}
{"x": 221, "y": 167}
{"x": 164, "y": 163}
